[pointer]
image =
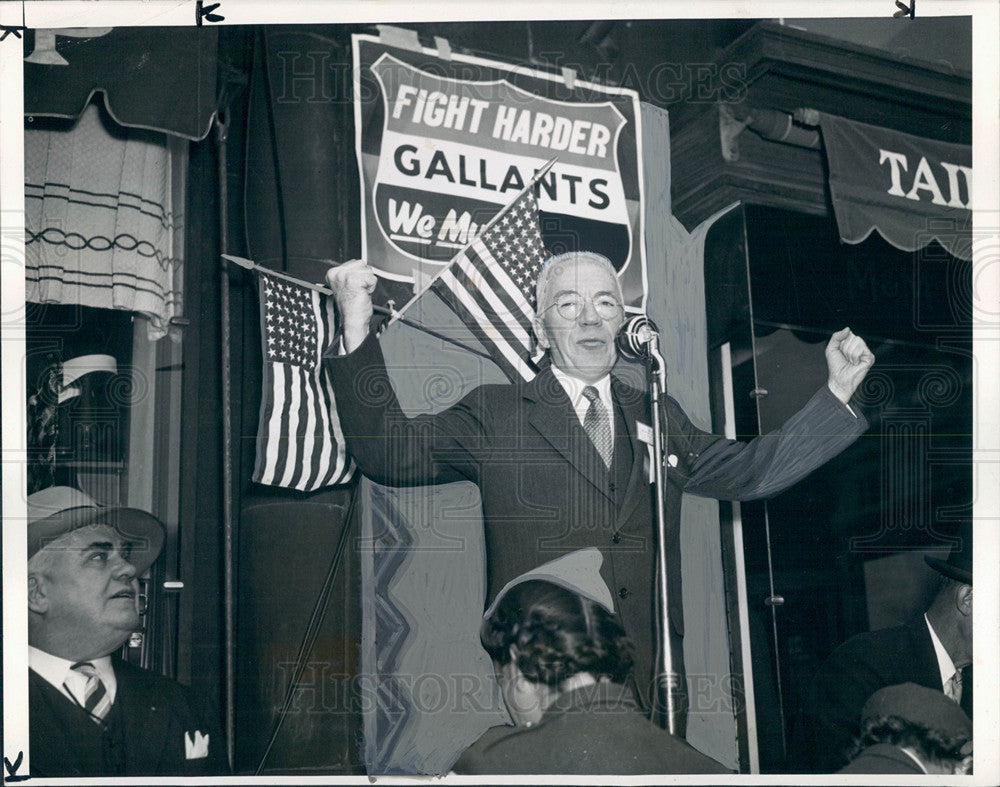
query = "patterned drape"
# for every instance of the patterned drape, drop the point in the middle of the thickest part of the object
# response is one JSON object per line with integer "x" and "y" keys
{"x": 101, "y": 229}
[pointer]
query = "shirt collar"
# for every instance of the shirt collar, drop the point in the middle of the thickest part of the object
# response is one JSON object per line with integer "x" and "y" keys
{"x": 55, "y": 670}
{"x": 574, "y": 389}
{"x": 911, "y": 755}
{"x": 945, "y": 664}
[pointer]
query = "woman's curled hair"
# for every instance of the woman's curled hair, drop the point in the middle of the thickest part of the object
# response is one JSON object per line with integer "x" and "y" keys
{"x": 931, "y": 745}
{"x": 556, "y": 634}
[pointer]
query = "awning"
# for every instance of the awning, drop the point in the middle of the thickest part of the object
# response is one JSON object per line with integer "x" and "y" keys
{"x": 156, "y": 78}
{"x": 911, "y": 189}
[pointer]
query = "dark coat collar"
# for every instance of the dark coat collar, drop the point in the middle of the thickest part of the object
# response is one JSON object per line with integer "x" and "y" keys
{"x": 603, "y": 697}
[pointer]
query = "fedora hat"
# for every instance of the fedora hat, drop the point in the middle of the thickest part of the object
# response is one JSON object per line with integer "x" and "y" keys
{"x": 958, "y": 566}
{"x": 58, "y": 510}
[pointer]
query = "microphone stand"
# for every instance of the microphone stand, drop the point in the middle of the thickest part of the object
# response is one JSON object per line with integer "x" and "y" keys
{"x": 667, "y": 708}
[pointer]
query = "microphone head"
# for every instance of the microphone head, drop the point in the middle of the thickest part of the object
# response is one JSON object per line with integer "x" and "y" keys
{"x": 634, "y": 337}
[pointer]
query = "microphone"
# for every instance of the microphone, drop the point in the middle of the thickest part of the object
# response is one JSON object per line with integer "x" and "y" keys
{"x": 634, "y": 338}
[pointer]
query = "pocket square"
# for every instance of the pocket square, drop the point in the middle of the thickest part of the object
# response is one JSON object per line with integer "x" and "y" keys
{"x": 195, "y": 745}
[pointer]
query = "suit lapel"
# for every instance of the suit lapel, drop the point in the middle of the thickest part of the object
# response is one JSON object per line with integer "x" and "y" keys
{"x": 925, "y": 658}
{"x": 924, "y": 651}
{"x": 142, "y": 723}
{"x": 67, "y": 733}
{"x": 551, "y": 413}
{"x": 631, "y": 411}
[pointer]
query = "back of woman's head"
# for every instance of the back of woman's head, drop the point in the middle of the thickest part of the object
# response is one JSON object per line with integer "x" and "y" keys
{"x": 556, "y": 634}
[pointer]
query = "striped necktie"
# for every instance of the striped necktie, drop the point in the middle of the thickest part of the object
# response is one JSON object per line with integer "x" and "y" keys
{"x": 953, "y": 688}
{"x": 597, "y": 424}
{"x": 96, "y": 700}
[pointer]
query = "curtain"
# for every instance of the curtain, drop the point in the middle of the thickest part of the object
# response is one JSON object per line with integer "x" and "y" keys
{"x": 101, "y": 228}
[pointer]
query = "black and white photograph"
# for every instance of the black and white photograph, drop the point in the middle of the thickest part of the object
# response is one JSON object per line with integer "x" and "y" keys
{"x": 565, "y": 392}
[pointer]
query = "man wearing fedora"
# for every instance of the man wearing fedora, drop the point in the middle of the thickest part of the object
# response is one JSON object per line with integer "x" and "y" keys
{"x": 933, "y": 650}
{"x": 90, "y": 712}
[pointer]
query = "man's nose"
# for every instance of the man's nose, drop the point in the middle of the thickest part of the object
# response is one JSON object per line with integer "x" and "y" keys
{"x": 124, "y": 569}
{"x": 589, "y": 315}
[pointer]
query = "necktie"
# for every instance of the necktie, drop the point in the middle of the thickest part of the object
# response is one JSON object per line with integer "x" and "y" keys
{"x": 598, "y": 425}
{"x": 953, "y": 688}
{"x": 96, "y": 700}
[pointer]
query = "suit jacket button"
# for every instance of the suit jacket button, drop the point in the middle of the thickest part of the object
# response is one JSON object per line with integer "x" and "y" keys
{"x": 611, "y": 486}
{"x": 623, "y": 592}
{"x": 616, "y": 538}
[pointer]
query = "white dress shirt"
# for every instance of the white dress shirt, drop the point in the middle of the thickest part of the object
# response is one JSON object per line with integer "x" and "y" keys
{"x": 945, "y": 664}
{"x": 574, "y": 390}
{"x": 60, "y": 673}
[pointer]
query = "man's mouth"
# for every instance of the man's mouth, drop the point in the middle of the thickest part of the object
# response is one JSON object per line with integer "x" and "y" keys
{"x": 128, "y": 593}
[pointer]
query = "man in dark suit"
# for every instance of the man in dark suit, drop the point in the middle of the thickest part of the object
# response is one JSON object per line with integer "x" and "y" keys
{"x": 90, "y": 712}
{"x": 562, "y": 462}
{"x": 933, "y": 650}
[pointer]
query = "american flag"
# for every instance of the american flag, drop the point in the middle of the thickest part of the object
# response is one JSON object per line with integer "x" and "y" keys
{"x": 491, "y": 285}
{"x": 300, "y": 444}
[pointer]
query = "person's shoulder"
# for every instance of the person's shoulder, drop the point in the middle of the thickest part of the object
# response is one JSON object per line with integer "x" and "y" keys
{"x": 882, "y": 758}
{"x": 492, "y": 394}
{"x": 879, "y": 638}
{"x": 880, "y": 648}
{"x": 489, "y": 754}
{"x": 140, "y": 679}
{"x": 676, "y": 753}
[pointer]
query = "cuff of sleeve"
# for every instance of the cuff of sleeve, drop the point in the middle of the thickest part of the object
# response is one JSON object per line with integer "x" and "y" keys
{"x": 858, "y": 420}
{"x": 336, "y": 350}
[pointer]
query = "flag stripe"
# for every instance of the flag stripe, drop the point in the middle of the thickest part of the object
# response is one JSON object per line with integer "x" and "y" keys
{"x": 513, "y": 291}
{"x": 491, "y": 328}
{"x": 491, "y": 290}
{"x": 290, "y": 424}
{"x": 339, "y": 467}
{"x": 495, "y": 333}
{"x": 321, "y": 448}
{"x": 278, "y": 424}
{"x": 497, "y": 319}
{"x": 342, "y": 467}
{"x": 312, "y": 406}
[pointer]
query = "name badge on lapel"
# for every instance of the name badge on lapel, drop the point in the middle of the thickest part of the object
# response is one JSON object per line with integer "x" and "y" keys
{"x": 645, "y": 433}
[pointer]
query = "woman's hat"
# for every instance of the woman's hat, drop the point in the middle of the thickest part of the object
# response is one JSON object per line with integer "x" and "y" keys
{"x": 918, "y": 705}
{"x": 578, "y": 572}
{"x": 58, "y": 510}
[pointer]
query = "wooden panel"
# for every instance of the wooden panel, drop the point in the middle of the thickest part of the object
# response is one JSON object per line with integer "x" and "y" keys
{"x": 786, "y": 69}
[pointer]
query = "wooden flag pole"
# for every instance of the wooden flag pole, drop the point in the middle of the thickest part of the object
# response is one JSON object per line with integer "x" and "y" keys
{"x": 250, "y": 265}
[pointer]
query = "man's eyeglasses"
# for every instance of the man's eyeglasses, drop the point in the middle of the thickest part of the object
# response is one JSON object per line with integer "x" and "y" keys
{"x": 570, "y": 306}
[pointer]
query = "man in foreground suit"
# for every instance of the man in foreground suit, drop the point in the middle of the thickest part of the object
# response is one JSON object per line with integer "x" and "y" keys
{"x": 933, "y": 650}
{"x": 91, "y": 713}
{"x": 562, "y": 461}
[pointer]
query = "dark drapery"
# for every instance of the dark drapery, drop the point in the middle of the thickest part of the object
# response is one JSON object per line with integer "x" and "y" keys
{"x": 162, "y": 79}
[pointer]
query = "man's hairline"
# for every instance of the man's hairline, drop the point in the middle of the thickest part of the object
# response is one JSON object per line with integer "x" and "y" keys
{"x": 578, "y": 256}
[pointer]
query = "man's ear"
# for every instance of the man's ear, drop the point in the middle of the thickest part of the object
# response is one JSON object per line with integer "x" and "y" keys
{"x": 539, "y": 329}
{"x": 963, "y": 599}
{"x": 38, "y": 600}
